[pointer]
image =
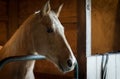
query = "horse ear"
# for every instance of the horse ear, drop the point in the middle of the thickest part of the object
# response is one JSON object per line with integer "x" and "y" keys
{"x": 46, "y": 9}
{"x": 58, "y": 10}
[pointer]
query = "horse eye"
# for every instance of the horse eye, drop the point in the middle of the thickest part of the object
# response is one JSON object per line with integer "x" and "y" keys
{"x": 49, "y": 30}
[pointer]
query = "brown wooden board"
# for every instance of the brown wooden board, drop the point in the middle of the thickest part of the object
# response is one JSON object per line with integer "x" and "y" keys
{"x": 3, "y": 33}
{"x": 81, "y": 42}
{"x": 105, "y": 26}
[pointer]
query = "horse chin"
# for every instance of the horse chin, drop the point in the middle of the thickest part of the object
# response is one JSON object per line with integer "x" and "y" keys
{"x": 61, "y": 66}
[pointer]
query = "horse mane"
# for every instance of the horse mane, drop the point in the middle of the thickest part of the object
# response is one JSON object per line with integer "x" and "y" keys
{"x": 19, "y": 41}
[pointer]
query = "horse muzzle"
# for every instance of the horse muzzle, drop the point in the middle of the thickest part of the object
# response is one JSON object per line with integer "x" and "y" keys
{"x": 68, "y": 66}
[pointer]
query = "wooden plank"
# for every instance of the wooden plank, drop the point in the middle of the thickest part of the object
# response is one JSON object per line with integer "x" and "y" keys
{"x": 81, "y": 43}
{"x": 3, "y": 8}
{"x": 105, "y": 26}
{"x": 13, "y": 16}
{"x": 67, "y": 20}
{"x": 91, "y": 67}
{"x": 3, "y": 18}
{"x": 71, "y": 35}
{"x": 68, "y": 13}
{"x": 69, "y": 9}
{"x": 3, "y": 33}
{"x": 63, "y": 20}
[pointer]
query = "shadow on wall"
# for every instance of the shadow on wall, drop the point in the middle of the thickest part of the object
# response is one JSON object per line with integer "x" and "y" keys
{"x": 116, "y": 45}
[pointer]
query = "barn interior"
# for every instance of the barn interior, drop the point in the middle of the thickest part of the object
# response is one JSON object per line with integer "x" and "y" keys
{"x": 14, "y": 12}
{"x": 91, "y": 28}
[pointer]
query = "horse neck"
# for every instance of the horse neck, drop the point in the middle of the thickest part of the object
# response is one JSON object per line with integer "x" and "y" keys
{"x": 19, "y": 44}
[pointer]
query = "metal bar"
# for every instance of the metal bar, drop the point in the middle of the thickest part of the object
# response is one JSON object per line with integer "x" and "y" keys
{"x": 76, "y": 72}
{"x": 30, "y": 57}
{"x": 20, "y": 58}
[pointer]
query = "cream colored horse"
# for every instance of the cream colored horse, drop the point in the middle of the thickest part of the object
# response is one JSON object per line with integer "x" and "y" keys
{"x": 41, "y": 34}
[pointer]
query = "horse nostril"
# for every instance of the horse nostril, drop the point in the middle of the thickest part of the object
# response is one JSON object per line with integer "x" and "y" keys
{"x": 69, "y": 62}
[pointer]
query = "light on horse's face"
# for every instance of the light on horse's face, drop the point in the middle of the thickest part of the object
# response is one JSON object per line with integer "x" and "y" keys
{"x": 59, "y": 51}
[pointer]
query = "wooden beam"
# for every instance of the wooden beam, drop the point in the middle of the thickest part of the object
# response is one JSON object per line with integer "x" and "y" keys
{"x": 67, "y": 20}
{"x": 63, "y": 20}
{"x": 81, "y": 8}
{"x": 13, "y": 16}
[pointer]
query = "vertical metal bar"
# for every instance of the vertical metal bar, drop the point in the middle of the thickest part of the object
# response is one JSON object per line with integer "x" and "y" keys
{"x": 88, "y": 27}
{"x": 76, "y": 72}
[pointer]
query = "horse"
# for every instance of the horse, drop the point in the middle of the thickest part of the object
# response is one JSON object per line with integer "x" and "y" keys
{"x": 41, "y": 34}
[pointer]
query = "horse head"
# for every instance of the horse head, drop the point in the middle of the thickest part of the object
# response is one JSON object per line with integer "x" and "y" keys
{"x": 49, "y": 38}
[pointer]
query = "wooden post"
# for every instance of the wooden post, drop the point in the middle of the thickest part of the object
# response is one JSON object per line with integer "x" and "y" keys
{"x": 13, "y": 16}
{"x": 84, "y": 35}
{"x": 81, "y": 8}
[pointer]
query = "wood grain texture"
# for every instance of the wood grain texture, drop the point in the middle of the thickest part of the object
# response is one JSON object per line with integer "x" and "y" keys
{"x": 13, "y": 16}
{"x": 3, "y": 8}
{"x": 81, "y": 41}
{"x": 3, "y": 33}
{"x": 105, "y": 26}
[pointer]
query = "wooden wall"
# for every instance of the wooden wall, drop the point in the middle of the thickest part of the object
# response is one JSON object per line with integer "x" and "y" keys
{"x": 105, "y": 26}
{"x": 3, "y": 22}
{"x": 14, "y": 12}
